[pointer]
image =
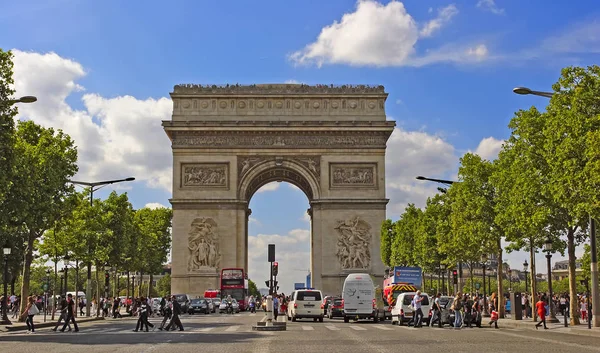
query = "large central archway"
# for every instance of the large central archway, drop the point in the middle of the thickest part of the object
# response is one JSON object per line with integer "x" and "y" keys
{"x": 229, "y": 141}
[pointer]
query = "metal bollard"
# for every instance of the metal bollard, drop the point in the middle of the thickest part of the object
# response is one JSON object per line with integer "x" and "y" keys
{"x": 269, "y": 311}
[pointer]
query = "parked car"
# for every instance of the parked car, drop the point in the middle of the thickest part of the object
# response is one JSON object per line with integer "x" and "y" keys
{"x": 335, "y": 308}
{"x": 200, "y": 306}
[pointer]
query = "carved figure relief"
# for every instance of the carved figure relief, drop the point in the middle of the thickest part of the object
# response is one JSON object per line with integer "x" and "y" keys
{"x": 312, "y": 163}
{"x": 203, "y": 245}
{"x": 205, "y": 175}
{"x": 354, "y": 243}
{"x": 352, "y": 175}
{"x": 245, "y": 163}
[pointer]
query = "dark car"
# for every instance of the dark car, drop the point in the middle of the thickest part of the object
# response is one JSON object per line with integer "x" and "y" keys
{"x": 335, "y": 308}
{"x": 447, "y": 315}
{"x": 199, "y": 306}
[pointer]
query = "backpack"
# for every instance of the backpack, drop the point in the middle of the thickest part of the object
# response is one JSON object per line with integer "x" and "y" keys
{"x": 34, "y": 310}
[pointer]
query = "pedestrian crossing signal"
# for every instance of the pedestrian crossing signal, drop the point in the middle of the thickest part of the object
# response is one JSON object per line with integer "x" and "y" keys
{"x": 275, "y": 268}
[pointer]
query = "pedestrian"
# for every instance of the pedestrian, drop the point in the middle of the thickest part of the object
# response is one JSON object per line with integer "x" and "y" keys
{"x": 275, "y": 307}
{"x": 175, "y": 317}
{"x": 167, "y": 311}
{"x": 30, "y": 311}
{"x": 418, "y": 312}
{"x": 116, "y": 308}
{"x": 70, "y": 314}
{"x": 541, "y": 310}
{"x": 144, "y": 311}
{"x": 163, "y": 302}
{"x": 476, "y": 311}
{"x": 583, "y": 309}
{"x": 437, "y": 312}
{"x": 457, "y": 307}
{"x": 16, "y": 305}
{"x": 63, "y": 313}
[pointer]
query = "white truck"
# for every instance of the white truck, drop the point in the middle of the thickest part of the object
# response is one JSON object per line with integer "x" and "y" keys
{"x": 358, "y": 298}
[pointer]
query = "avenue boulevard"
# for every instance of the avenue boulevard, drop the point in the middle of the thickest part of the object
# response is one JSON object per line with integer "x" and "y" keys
{"x": 233, "y": 333}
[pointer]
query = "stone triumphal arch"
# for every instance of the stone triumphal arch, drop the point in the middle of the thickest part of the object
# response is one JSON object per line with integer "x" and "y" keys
{"x": 228, "y": 141}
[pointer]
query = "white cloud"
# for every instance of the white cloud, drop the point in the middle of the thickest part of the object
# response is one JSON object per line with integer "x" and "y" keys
{"x": 306, "y": 217}
{"x": 445, "y": 14}
{"x": 272, "y": 186}
{"x": 252, "y": 220}
{"x": 413, "y": 153}
{"x": 292, "y": 252}
{"x": 580, "y": 38}
{"x": 489, "y": 147}
{"x": 115, "y": 137}
{"x": 154, "y": 205}
{"x": 294, "y": 82}
{"x": 490, "y": 5}
{"x": 380, "y": 35}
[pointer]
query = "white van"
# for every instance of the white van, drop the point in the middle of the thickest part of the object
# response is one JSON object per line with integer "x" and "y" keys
{"x": 306, "y": 304}
{"x": 403, "y": 312}
{"x": 358, "y": 298}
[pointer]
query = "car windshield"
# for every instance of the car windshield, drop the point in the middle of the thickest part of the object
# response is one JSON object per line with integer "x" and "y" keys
{"x": 308, "y": 295}
{"x": 180, "y": 297}
{"x": 197, "y": 301}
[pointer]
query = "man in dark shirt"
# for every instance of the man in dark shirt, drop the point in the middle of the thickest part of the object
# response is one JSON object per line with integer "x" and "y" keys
{"x": 175, "y": 318}
{"x": 70, "y": 317}
{"x": 63, "y": 314}
{"x": 144, "y": 312}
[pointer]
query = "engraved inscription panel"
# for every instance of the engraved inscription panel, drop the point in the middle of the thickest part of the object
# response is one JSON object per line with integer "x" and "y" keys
{"x": 205, "y": 175}
{"x": 363, "y": 140}
{"x": 353, "y": 175}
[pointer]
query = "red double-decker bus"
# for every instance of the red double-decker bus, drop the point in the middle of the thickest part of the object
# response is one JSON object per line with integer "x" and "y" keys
{"x": 235, "y": 283}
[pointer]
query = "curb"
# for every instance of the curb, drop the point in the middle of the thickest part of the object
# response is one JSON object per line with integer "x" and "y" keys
{"x": 21, "y": 327}
{"x": 594, "y": 332}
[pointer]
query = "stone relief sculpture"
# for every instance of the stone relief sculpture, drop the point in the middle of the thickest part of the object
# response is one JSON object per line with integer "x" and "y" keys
{"x": 363, "y": 175}
{"x": 203, "y": 245}
{"x": 289, "y": 141}
{"x": 312, "y": 163}
{"x": 207, "y": 175}
{"x": 354, "y": 243}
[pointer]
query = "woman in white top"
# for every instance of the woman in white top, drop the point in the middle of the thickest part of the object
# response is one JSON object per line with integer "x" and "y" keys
{"x": 583, "y": 309}
{"x": 30, "y": 311}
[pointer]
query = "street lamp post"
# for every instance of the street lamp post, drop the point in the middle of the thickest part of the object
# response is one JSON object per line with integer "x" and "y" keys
{"x": 133, "y": 287}
{"x": 24, "y": 99}
{"x": 62, "y": 276}
{"x": 48, "y": 272}
{"x": 484, "y": 260}
{"x": 548, "y": 250}
{"x": 443, "y": 267}
{"x": 6, "y": 250}
{"x": 106, "y": 280}
{"x": 66, "y": 267}
{"x": 94, "y": 186}
{"x": 525, "y": 267}
{"x": 593, "y": 252}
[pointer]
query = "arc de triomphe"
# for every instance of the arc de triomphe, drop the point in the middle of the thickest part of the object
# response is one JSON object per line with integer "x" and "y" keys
{"x": 228, "y": 141}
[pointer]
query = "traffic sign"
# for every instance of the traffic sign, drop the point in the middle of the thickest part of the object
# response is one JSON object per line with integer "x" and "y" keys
{"x": 477, "y": 286}
{"x": 45, "y": 287}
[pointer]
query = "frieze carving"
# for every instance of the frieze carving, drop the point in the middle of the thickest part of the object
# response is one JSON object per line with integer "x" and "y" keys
{"x": 205, "y": 175}
{"x": 277, "y": 89}
{"x": 246, "y": 163}
{"x": 353, "y": 174}
{"x": 354, "y": 243}
{"x": 203, "y": 245}
{"x": 311, "y": 163}
{"x": 358, "y": 140}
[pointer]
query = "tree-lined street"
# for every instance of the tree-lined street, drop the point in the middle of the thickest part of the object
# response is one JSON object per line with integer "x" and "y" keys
{"x": 233, "y": 333}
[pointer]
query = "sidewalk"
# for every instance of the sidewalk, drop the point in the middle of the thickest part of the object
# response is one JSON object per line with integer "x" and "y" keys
{"x": 559, "y": 327}
{"x": 38, "y": 321}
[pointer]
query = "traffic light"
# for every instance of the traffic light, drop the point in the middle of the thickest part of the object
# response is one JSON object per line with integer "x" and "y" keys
{"x": 267, "y": 284}
{"x": 455, "y": 276}
{"x": 275, "y": 268}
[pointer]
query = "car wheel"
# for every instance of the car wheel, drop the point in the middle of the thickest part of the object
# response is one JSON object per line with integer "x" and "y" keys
{"x": 321, "y": 319}
{"x": 346, "y": 319}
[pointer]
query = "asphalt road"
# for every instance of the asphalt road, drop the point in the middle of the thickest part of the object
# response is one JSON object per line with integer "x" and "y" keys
{"x": 226, "y": 333}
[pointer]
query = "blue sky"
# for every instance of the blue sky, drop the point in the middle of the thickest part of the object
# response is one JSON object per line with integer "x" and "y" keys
{"x": 102, "y": 71}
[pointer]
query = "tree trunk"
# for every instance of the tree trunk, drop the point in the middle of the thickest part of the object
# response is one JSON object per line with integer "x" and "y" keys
{"x": 140, "y": 284}
{"x": 499, "y": 271}
{"x": 150, "y": 285}
{"x": 574, "y": 307}
{"x": 98, "y": 293}
{"x": 26, "y": 272}
{"x": 471, "y": 277}
{"x": 533, "y": 299}
{"x": 13, "y": 280}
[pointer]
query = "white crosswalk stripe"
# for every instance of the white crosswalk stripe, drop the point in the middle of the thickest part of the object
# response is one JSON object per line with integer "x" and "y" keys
{"x": 333, "y": 328}
{"x": 381, "y": 327}
{"x": 358, "y": 328}
{"x": 308, "y": 328}
{"x": 206, "y": 329}
{"x": 232, "y": 328}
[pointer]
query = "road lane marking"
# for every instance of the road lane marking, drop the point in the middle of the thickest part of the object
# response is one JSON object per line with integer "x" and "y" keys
{"x": 358, "y": 328}
{"x": 308, "y": 328}
{"x": 206, "y": 329}
{"x": 385, "y": 328}
{"x": 333, "y": 328}
{"x": 232, "y": 328}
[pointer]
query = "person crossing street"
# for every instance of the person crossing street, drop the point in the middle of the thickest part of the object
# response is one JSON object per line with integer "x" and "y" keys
{"x": 144, "y": 311}
{"x": 167, "y": 311}
{"x": 175, "y": 317}
{"x": 70, "y": 314}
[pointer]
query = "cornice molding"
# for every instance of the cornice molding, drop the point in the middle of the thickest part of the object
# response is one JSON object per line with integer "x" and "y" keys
{"x": 276, "y": 89}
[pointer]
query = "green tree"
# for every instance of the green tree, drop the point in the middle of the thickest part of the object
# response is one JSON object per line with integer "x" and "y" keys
{"x": 406, "y": 232}
{"x": 7, "y": 125}
{"x": 252, "y": 288}
{"x": 387, "y": 238}
{"x": 163, "y": 286}
{"x": 428, "y": 255}
{"x": 45, "y": 159}
{"x": 572, "y": 127}
{"x": 473, "y": 214}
